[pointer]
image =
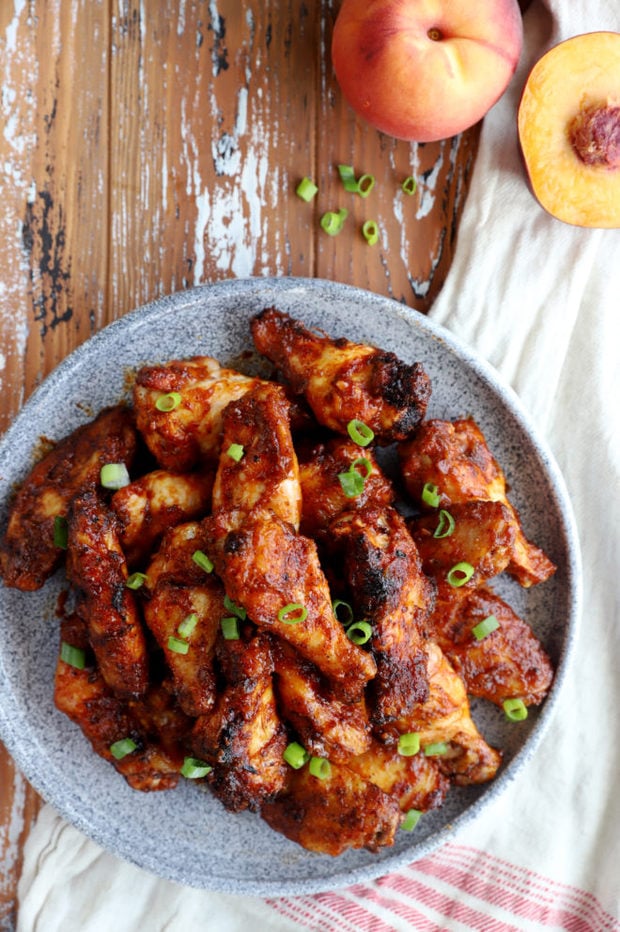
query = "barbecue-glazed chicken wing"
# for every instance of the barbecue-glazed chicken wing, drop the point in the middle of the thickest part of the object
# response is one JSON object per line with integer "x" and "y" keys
{"x": 455, "y": 458}
{"x": 155, "y": 502}
{"x": 199, "y": 389}
{"x": 343, "y": 381}
{"x": 392, "y": 593}
{"x": 416, "y": 781}
{"x": 183, "y": 610}
{"x": 243, "y": 738}
{"x": 333, "y": 814}
{"x": 28, "y": 554}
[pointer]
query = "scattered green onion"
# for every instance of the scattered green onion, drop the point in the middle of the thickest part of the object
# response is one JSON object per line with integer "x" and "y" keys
{"x": 359, "y": 632}
{"x": 136, "y": 580}
{"x": 193, "y": 768}
{"x": 333, "y": 222}
{"x": 74, "y": 656}
{"x": 436, "y": 749}
{"x": 430, "y": 494}
{"x": 168, "y": 402}
{"x": 352, "y": 481}
{"x": 295, "y": 755}
{"x": 485, "y": 627}
{"x": 306, "y": 189}
{"x": 235, "y": 451}
{"x": 409, "y": 185}
{"x": 202, "y": 560}
{"x": 365, "y": 184}
{"x": 409, "y": 744}
{"x": 370, "y": 232}
{"x": 230, "y": 628}
{"x": 347, "y": 176}
{"x": 187, "y": 626}
{"x": 411, "y": 820}
{"x": 360, "y": 433}
{"x": 515, "y": 710}
{"x": 177, "y": 646}
{"x": 460, "y": 574}
{"x": 346, "y": 616}
{"x": 320, "y": 767}
{"x": 237, "y": 610}
{"x": 114, "y": 476}
{"x": 122, "y": 748}
{"x": 61, "y": 532}
{"x": 445, "y": 526}
{"x": 293, "y": 613}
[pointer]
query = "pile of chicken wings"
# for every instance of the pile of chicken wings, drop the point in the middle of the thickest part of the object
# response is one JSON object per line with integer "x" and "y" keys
{"x": 259, "y": 606}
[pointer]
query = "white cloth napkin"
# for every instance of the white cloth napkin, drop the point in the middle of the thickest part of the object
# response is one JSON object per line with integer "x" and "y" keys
{"x": 541, "y": 301}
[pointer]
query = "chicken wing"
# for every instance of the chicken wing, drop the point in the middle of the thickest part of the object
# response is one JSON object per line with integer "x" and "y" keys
{"x": 183, "y": 610}
{"x": 416, "y": 782}
{"x": 455, "y": 458}
{"x": 390, "y": 590}
{"x": 97, "y": 569}
{"x": 155, "y": 502}
{"x": 343, "y": 381}
{"x": 188, "y": 434}
{"x": 28, "y": 554}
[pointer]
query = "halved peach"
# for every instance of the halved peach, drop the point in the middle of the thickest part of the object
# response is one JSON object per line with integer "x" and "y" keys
{"x": 569, "y": 130}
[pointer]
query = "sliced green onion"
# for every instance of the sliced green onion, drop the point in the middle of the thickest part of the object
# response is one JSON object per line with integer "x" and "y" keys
{"x": 515, "y": 710}
{"x": 114, "y": 476}
{"x": 343, "y": 612}
{"x": 430, "y": 494}
{"x": 61, "y": 532}
{"x": 370, "y": 232}
{"x": 436, "y": 749}
{"x": 293, "y": 613}
{"x": 333, "y": 222}
{"x": 168, "y": 402}
{"x": 237, "y": 610}
{"x": 74, "y": 656}
{"x": 460, "y": 574}
{"x": 360, "y": 433}
{"x": 446, "y": 524}
{"x": 295, "y": 755}
{"x": 230, "y": 628}
{"x": 352, "y": 481}
{"x": 409, "y": 185}
{"x": 360, "y": 632}
{"x": 235, "y": 451}
{"x": 306, "y": 189}
{"x": 187, "y": 626}
{"x": 365, "y": 184}
{"x": 320, "y": 767}
{"x": 136, "y": 580}
{"x": 409, "y": 744}
{"x": 411, "y": 820}
{"x": 193, "y": 768}
{"x": 202, "y": 560}
{"x": 485, "y": 627}
{"x": 177, "y": 646}
{"x": 122, "y": 748}
{"x": 347, "y": 176}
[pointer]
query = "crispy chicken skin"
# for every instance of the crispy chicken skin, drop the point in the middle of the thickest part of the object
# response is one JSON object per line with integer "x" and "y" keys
{"x": 267, "y": 474}
{"x": 177, "y": 588}
{"x": 155, "y": 502}
{"x": 390, "y": 590}
{"x": 189, "y": 434}
{"x": 323, "y": 498}
{"x": 509, "y": 663}
{"x": 454, "y": 456}
{"x": 327, "y": 726}
{"x": 96, "y": 567}
{"x": 341, "y": 380}
{"x": 416, "y": 781}
{"x": 331, "y": 815}
{"x": 28, "y": 555}
{"x": 243, "y": 738}
{"x": 266, "y": 566}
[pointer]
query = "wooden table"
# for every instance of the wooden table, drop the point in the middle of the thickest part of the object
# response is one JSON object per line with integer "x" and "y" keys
{"x": 147, "y": 147}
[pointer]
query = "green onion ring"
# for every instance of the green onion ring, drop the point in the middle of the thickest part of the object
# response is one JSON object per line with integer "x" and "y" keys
{"x": 293, "y": 613}
{"x": 360, "y": 632}
{"x": 515, "y": 710}
{"x": 136, "y": 580}
{"x": 122, "y": 748}
{"x": 193, "y": 768}
{"x": 411, "y": 820}
{"x": 409, "y": 744}
{"x": 230, "y": 628}
{"x": 235, "y": 451}
{"x": 409, "y": 185}
{"x": 295, "y": 755}
{"x": 436, "y": 749}
{"x": 320, "y": 767}
{"x": 114, "y": 476}
{"x": 430, "y": 494}
{"x": 74, "y": 656}
{"x": 177, "y": 646}
{"x": 333, "y": 222}
{"x": 370, "y": 232}
{"x": 348, "y": 616}
{"x": 445, "y": 526}
{"x": 187, "y": 626}
{"x": 360, "y": 433}
{"x": 460, "y": 574}
{"x": 235, "y": 609}
{"x": 485, "y": 627}
{"x": 169, "y": 402}
{"x": 306, "y": 189}
{"x": 203, "y": 561}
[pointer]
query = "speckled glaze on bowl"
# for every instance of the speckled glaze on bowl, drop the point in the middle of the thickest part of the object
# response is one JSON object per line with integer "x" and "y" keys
{"x": 185, "y": 835}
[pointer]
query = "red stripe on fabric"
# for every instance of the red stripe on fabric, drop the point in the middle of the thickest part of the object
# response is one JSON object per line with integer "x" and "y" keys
{"x": 314, "y": 915}
{"x": 354, "y": 911}
{"x": 414, "y": 917}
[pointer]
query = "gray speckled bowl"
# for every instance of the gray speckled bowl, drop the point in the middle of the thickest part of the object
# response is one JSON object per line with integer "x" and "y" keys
{"x": 186, "y": 835}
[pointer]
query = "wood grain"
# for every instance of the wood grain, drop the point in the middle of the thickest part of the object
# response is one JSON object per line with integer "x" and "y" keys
{"x": 150, "y": 147}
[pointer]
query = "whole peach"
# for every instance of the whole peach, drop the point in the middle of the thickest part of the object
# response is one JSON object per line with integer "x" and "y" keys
{"x": 425, "y": 69}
